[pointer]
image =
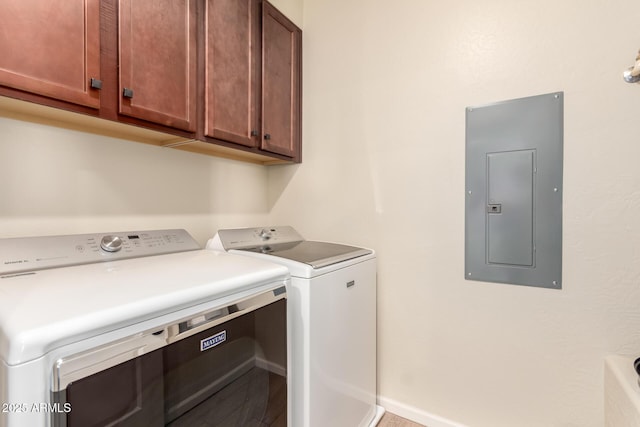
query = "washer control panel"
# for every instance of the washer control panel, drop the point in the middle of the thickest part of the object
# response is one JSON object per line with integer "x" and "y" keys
{"x": 242, "y": 238}
{"x": 23, "y": 254}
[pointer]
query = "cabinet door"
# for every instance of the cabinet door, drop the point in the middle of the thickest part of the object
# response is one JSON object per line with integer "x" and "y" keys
{"x": 232, "y": 71}
{"x": 51, "y": 48}
{"x": 158, "y": 61}
{"x": 281, "y": 79}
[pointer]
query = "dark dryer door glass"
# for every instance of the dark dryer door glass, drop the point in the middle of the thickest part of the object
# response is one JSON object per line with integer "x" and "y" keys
{"x": 229, "y": 385}
{"x": 124, "y": 395}
{"x": 232, "y": 374}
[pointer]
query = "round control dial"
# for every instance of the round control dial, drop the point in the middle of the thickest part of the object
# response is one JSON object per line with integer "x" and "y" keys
{"x": 265, "y": 234}
{"x": 111, "y": 243}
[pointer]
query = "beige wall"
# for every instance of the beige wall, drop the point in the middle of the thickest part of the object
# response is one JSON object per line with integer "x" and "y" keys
{"x": 385, "y": 90}
{"x": 57, "y": 181}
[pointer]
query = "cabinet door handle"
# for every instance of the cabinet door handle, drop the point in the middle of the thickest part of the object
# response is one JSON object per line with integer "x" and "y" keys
{"x": 96, "y": 83}
{"x": 267, "y": 136}
{"x": 127, "y": 93}
{"x": 254, "y": 133}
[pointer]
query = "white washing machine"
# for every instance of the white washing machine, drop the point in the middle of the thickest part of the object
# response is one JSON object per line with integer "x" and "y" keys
{"x": 331, "y": 321}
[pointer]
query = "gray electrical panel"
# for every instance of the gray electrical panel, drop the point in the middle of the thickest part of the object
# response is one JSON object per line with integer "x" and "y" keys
{"x": 513, "y": 186}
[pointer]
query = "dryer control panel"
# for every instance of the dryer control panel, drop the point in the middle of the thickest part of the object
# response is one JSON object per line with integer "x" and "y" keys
{"x": 23, "y": 254}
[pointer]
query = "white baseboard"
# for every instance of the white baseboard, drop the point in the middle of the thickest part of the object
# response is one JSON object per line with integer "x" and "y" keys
{"x": 414, "y": 414}
{"x": 378, "y": 416}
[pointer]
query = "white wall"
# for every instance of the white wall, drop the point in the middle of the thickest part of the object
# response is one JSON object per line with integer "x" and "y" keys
{"x": 385, "y": 90}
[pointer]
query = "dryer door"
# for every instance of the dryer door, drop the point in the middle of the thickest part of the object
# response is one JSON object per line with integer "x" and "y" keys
{"x": 221, "y": 367}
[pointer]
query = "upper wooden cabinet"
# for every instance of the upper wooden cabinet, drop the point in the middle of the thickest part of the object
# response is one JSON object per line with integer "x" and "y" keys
{"x": 232, "y": 73}
{"x": 253, "y": 76}
{"x": 157, "y": 62}
{"x": 281, "y": 83}
{"x": 220, "y": 77}
{"x": 51, "y": 48}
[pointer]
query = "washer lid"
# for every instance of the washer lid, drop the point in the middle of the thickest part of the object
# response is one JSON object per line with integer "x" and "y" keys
{"x": 315, "y": 254}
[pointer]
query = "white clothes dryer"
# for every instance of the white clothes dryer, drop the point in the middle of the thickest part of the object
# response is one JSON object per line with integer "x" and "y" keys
{"x": 139, "y": 328}
{"x": 331, "y": 322}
